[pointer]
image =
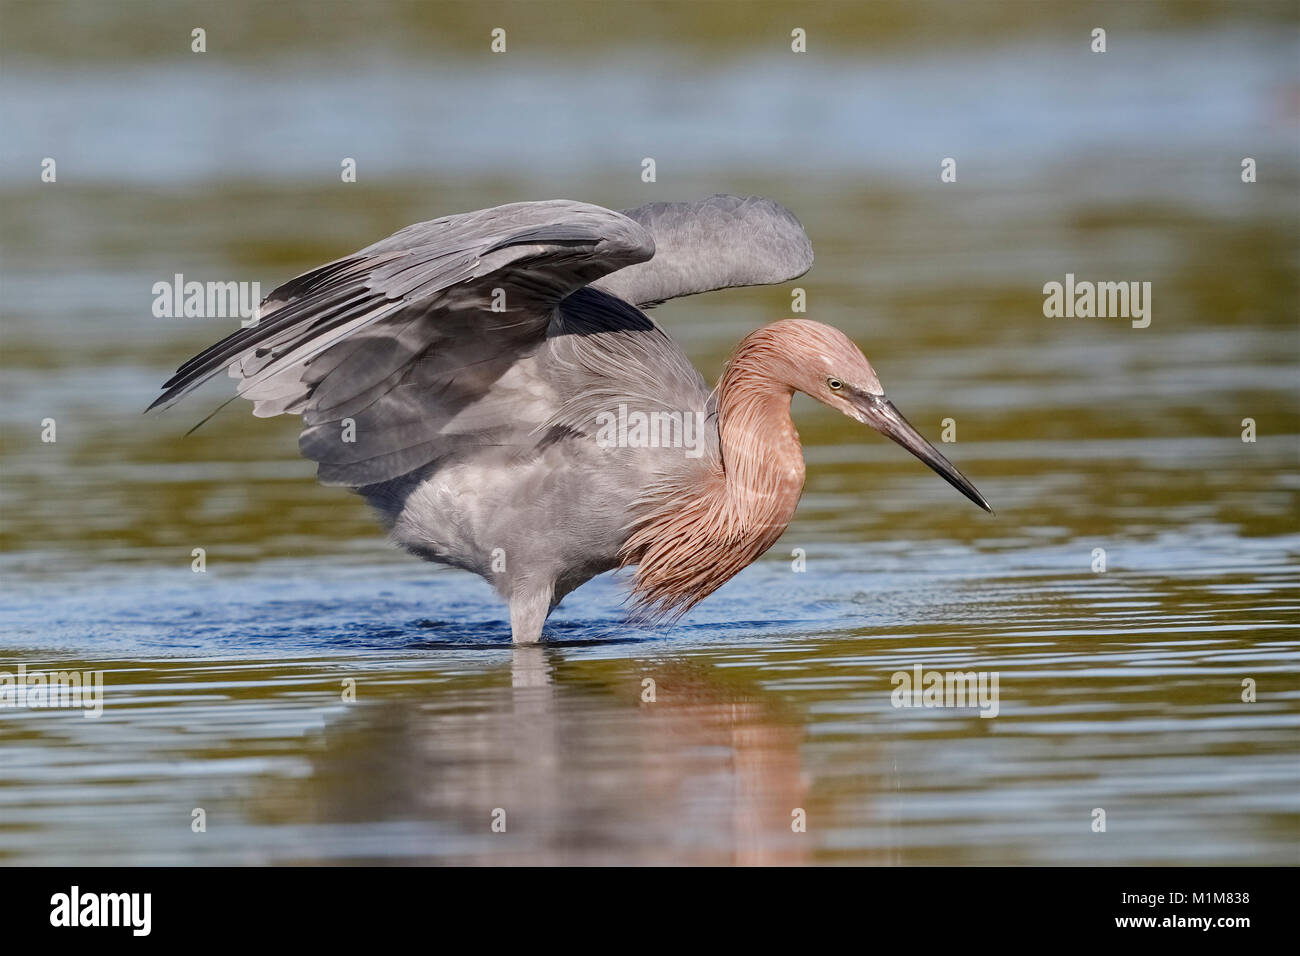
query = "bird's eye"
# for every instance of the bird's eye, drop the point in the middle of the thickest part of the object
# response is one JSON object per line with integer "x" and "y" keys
{"x": 834, "y": 384}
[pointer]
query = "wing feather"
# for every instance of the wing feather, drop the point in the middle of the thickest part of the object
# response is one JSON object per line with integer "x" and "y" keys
{"x": 402, "y": 354}
{"x": 404, "y": 343}
{"x": 715, "y": 243}
{"x": 552, "y": 247}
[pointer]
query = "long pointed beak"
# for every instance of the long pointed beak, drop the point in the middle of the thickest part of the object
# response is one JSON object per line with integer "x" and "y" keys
{"x": 880, "y": 413}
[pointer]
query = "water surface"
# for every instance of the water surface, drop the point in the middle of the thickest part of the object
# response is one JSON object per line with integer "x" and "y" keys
{"x": 1118, "y": 689}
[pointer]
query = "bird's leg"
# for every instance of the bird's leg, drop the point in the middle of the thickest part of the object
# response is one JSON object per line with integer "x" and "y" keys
{"x": 530, "y": 604}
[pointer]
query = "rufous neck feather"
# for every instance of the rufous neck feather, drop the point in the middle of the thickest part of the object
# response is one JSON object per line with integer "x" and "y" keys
{"x": 721, "y": 519}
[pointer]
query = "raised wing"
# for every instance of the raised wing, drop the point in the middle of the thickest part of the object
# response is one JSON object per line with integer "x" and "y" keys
{"x": 394, "y": 354}
{"x": 716, "y": 243}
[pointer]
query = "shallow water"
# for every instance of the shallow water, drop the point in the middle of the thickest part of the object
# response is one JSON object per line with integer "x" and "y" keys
{"x": 224, "y": 692}
{"x": 1118, "y": 689}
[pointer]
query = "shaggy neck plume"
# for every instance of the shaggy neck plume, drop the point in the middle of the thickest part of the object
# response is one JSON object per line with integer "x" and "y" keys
{"x": 723, "y": 518}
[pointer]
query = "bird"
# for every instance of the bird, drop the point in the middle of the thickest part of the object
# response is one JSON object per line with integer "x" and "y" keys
{"x": 487, "y": 381}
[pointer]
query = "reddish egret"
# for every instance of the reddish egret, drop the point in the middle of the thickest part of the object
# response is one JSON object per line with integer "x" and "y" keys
{"x": 464, "y": 375}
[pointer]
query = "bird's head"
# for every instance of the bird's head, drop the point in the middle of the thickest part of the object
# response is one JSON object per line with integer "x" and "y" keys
{"x": 824, "y": 363}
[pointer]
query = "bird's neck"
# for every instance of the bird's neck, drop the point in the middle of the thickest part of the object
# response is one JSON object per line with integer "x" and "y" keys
{"x": 762, "y": 459}
{"x": 708, "y": 526}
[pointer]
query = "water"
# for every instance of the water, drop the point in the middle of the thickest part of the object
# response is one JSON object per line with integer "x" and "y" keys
{"x": 1119, "y": 690}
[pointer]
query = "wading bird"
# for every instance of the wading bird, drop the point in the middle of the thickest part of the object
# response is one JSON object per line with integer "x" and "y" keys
{"x": 462, "y": 375}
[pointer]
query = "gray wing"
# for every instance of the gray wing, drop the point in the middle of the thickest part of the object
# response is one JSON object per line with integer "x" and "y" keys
{"x": 716, "y": 243}
{"x": 423, "y": 341}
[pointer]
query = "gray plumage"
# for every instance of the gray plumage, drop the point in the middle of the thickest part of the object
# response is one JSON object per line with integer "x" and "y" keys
{"x": 718, "y": 243}
{"x": 469, "y": 356}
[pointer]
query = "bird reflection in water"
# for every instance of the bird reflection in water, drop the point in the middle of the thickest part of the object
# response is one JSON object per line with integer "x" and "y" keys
{"x": 576, "y": 764}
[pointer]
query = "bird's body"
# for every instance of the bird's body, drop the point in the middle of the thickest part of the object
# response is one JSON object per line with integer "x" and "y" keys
{"x": 464, "y": 374}
{"x": 546, "y": 508}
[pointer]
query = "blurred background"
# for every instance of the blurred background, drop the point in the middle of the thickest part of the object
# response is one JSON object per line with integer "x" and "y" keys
{"x": 1120, "y": 689}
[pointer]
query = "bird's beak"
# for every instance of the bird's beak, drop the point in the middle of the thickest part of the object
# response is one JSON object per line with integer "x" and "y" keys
{"x": 880, "y": 413}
